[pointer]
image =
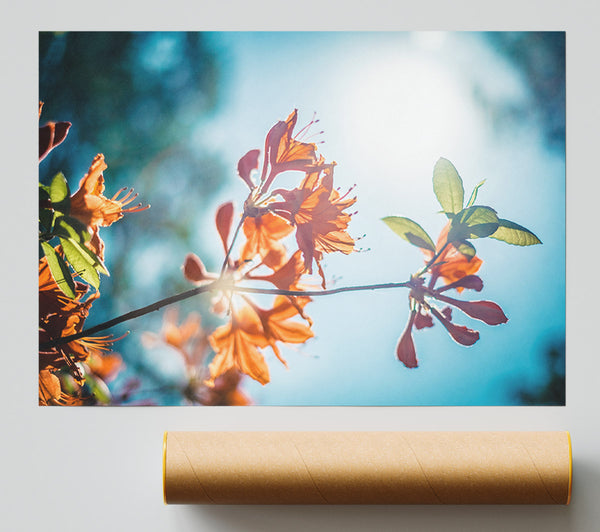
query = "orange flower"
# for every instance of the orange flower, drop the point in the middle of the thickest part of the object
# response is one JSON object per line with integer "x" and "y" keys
{"x": 315, "y": 208}
{"x": 187, "y": 338}
{"x": 90, "y": 206}
{"x": 451, "y": 265}
{"x": 285, "y": 152}
{"x": 277, "y": 326}
{"x": 287, "y": 276}
{"x": 105, "y": 366}
{"x": 70, "y": 321}
{"x": 317, "y": 211}
{"x": 61, "y": 316}
{"x": 263, "y": 235}
{"x": 236, "y": 346}
{"x": 49, "y": 388}
{"x": 226, "y": 391}
{"x": 179, "y": 335}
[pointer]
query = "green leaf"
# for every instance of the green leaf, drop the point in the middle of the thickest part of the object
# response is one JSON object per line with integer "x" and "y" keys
{"x": 90, "y": 256}
{"x": 66, "y": 228}
{"x": 59, "y": 193}
{"x": 515, "y": 234}
{"x": 448, "y": 186}
{"x": 59, "y": 270}
{"x": 81, "y": 262}
{"x": 410, "y": 231}
{"x": 44, "y": 193}
{"x": 466, "y": 248}
{"x": 476, "y": 221}
{"x": 46, "y": 219}
{"x": 474, "y": 193}
{"x": 98, "y": 388}
{"x": 70, "y": 227}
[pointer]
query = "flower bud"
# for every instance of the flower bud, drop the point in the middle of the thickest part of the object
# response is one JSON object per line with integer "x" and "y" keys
{"x": 472, "y": 282}
{"x": 193, "y": 269}
{"x": 405, "y": 351}
{"x": 224, "y": 219}
{"x": 459, "y": 333}
{"x": 486, "y": 311}
{"x": 246, "y": 164}
{"x": 423, "y": 320}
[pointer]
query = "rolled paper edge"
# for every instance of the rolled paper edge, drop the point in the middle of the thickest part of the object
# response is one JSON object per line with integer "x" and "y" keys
{"x": 570, "y": 468}
{"x": 164, "y": 467}
{"x": 564, "y": 502}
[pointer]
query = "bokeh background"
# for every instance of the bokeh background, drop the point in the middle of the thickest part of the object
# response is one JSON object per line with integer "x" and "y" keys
{"x": 173, "y": 112}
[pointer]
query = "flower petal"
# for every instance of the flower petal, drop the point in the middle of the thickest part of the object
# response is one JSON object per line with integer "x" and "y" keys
{"x": 423, "y": 320}
{"x": 288, "y": 275}
{"x": 452, "y": 265}
{"x": 193, "y": 269}
{"x": 486, "y": 311}
{"x": 236, "y": 345}
{"x": 285, "y": 152}
{"x": 460, "y": 333}
{"x": 263, "y": 234}
{"x": 49, "y": 388}
{"x": 472, "y": 282}
{"x": 224, "y": 219}
{"x": 51, "y": 135}
{"x": 246, "y": 164}
{"x": 405, "y": 350}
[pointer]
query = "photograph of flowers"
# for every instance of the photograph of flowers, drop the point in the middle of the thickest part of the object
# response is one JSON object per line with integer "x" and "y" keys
{"x": 302, "y": 218}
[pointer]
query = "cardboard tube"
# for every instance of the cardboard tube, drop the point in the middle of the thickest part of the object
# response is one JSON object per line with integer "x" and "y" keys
{"x": 367, "y": 468}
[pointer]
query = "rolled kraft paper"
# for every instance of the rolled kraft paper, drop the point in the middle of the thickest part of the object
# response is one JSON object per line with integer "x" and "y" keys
{"x": 367, "y": 467}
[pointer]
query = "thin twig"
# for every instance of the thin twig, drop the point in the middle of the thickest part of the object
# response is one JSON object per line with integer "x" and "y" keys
{"x": 237, "y": 230}
{"x": 431, "y": 262}
{"x": 311, "y": 293}
{"x": 206, "y": 288}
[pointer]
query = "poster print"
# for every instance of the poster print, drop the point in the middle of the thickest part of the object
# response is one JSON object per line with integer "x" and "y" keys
{"x": 300, "y": 218}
